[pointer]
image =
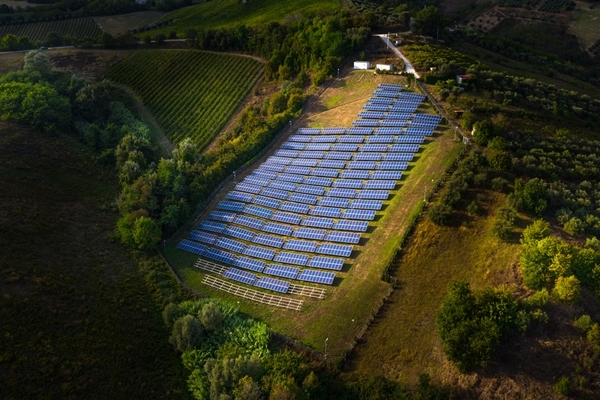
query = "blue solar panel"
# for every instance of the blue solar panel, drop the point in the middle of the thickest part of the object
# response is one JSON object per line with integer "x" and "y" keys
{"x": 334, "y": 250}
{"x": 240, "y": 276}
{"x": 288, "y": 218}
{"x": 337, "y": 155}
{"x": 395, "y": 175}
{"x": 290, "y": 177}
{"x": 337, "y": 164}
{"x": 351, "y": 139}
{"x": 275, "y": 285}
{"x": 326, "y": 211}
{"x": 268, "y": 240}
{"x": 381, "y": 100}
{"x": 399, "y": 115}
{"x": 286, "y": 153}
{"x": 380, "y": 184}
{"x": 388, "y": 131}
{"x": 318, "y": 181}
{"x": 355, "y": 174}
{"x": 329, "y": 172}
{"x": 212, "y": 226}
{"x": 249, "y": 263}
{"x": 398, "y": 157}
{"x": 240, "y": 196}
{"x": 283, "y": 185}
{"x": 303, "y": 198}
{"x": 316, "y": 190}
{"x": 283, "y": 271}
{"x": 324, "y": 139}
{"x": 246, "y": 187}
{"x": 376, "y": 107}
{"x": 390, "y": 86}
{"x": 279, "y": 160}
{"x": 221, "y": 216}
{"x": 294, "y": 207}
{"x": 258, "y": 211}
{"x": 267, "y": 202}
{"x": 230, "y": 244}
{"x": 374, "y": 147}
{"x": 410, "y": 139}
{"x": 293, "y": 146}
{"x": 220, "y": 255}
{"x": 359, "y": 131}
{"x": 348, "y": 183}
{"x": 259, "y": 252}
{"x": 304, "y": 162}
{"x": 380, "y": 139}
{"x": 272, "y": 167}
{"x": 300, "y": 138}
{"x": 318, "y": 146}
{"x": 318, "y": 222}
{"x": 326, "y": 263}
{"x": 419, "y": 131}
{"x": 343, "y": 237}
{"x": 362, "y": 165}
{"x": 372, "y": 114}
{"x": 392, "y": 122}
{"x": 393, "y": 165}
{"x": 300, "y": 245}
{"x": 346, "y": 225}
{"x": 333, "y": 202}
{"x": 344, "y": 147}
{"x": 368, "y": 156}
{"x": 373, "y": 194}
{"x": 311, "y": 154}
{"x": 264, "y": 174}
{"x": 257, "y": 180}
{"x": 308, "y": 131}
{"x": 239, "y": 233}
{"x": 339, "y": 192}
{"x": 310, "y": 233}
{"x": 191, "y": 247}
{"x": 334, "y": 131}
{"x": 275, "y": 193}
{"x": 366, "y": 122}
{"x": 297, "y": 170}
{"x": 231, "y": 205}
{"x": 316, "y": 276}
{"x": 291, "y": 258}
{"x": 249, "y": 222}
{"x": 203, "y": 237}
{"x": 279, "y": 229}
{"x": 367, "y": 215}
{"x": 366, "y": 204}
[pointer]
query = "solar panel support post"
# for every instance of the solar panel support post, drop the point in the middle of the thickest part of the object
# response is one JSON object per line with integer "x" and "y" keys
{"x": 234, "y": 177}
{"x": 325, "y": 353}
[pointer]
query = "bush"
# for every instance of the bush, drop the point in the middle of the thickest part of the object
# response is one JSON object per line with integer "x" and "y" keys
{"x": 593, "y": 335}
{"x": 472, "y": 208}
{"x": 499, "y": 184}
{"x": 502, "y": 229}
{"x": 563, "y": 386}
{"x": 574, "y": 226}
{"x": 160, "y": 38}
{"x": 584, "y": 323}
{"x": 537, "y": 300}
{"x": 483, "y": 132}
{"x": 439, "y": 214}
{"x": 211, "y": 316}
{"x": 566, "y": 290}
{"x": 187, "y": 334}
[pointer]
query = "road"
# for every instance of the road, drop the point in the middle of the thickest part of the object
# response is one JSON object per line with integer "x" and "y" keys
{"x": 407, "y": 65}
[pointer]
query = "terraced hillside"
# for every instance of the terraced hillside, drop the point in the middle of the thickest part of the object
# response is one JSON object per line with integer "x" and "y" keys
{"x": 78, "y": 28}
{"x": 190, "y": 93}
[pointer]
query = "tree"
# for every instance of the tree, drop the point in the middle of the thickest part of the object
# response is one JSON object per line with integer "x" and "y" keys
{"x": 483, "y": 132}
{"x": 428, "y": 21}
{"x": 439, "y": 214}
{"x": 187, "y": 334}
{"x": 211, "y": 316}
{"x": 247, "y": 389}
{"x": 146, "y": 233}
{"x": 566, "y": 290}
{"x": 160, "y": 38}
{"x": 37, "y": 61}
{"x": 171, "y": 313}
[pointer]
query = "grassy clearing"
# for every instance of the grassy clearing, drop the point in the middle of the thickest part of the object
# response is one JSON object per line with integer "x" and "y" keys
{"x": 402, "y": 341}
{"x": 229, "y": 13}
{"x": 77, "y": 318}
{"x": 354, "y": 298}
{"x": 115, "y": 24}
{"x": 188, "y": 91}
{"x": 585, "y": 23}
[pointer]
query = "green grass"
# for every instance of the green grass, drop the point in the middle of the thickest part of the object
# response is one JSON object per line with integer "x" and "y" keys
{"x": 403, "y": 341}
{"x": 255, "y": 13}
{"x": 353, "y": 299}
{"x": 585, "y": 24}
{"x": 77, "y": 27}
{"x": 190, "y": 93}
{"x": 77, "y": 318}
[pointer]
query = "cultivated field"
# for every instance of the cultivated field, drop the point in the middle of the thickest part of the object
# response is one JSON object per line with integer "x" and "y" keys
{"x": 351, "y": 301}
{"x": 230, "y": 13}
{"x": 115, "y": 24}
{"x": 77, "y": 27}
{"x": 190, "y": 93}
{"x": 586, "y": 23}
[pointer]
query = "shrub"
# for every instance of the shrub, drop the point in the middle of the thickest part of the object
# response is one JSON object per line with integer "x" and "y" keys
{"x": 538, "y": 299}
{"x": 472, "y": 208}
{"x": 211, "y": 316}
{"x": 563, "y": 386}
{"x": 439, "y": 214}
{"x": 584, "y": 323}
{"x": 574, "y": 226}
{"x": 499, "y": 184}
{"x": 593, "y": 335}
{"x": 566, "y": 290}
{"x": 187, "y": 334}
{"x": 502, "y": 229}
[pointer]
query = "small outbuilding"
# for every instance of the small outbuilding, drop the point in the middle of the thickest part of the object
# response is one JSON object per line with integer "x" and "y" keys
{"x": 362, "y": 64}
{"x": 460, "y": 79}
{"x": 384, "y": 67}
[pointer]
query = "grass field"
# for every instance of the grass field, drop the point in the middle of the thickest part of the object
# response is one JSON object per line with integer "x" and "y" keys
{"x": 585, "y": 24}
{"x": 351, "y": 302}
{"x": 115, "y": 24}
{"x": 229, "y": 13}
{"x": 190, "y": 93}
{"x": 77, "y": 27}
{"x": 77, "y": 319}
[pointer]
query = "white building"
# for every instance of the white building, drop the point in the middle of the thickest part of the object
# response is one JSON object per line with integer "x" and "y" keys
{"x": 384, "y": 67}
{"x": 362, "y": 64}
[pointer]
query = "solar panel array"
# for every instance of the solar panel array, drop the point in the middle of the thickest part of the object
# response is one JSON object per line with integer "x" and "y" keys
{"x": 307, "y": 205}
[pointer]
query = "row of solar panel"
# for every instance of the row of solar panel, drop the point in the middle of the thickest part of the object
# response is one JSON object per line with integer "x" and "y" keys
{"x": 362, "y": 156}
{"x": 330, "y": 168}
{"x": 353, "y": 147}
{"x": 319, "y": 190}
{"x": 303, "y": 197}
{"x": 303, "y": 208}
{"x": 336, "y": 143}
{"x": 386, "y": 123}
